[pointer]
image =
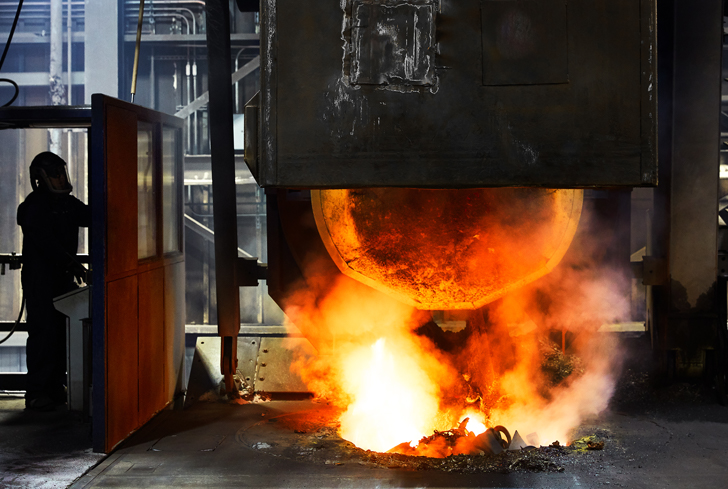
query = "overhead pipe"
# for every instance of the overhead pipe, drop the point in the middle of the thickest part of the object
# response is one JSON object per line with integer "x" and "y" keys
{"x": 168, "y": 2}
{"x": 175, "y": 12}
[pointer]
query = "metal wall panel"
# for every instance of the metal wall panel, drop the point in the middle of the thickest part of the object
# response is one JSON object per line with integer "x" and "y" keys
{"x": 174, "y": 329}
{"x": 122, "y": 360}
{"x": 121, "y": 185}
{"x": 152, "y": 347}
{"x": 429, "y": 93}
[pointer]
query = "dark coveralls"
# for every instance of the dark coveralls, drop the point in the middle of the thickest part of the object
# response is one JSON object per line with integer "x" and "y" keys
{"x": 50, "y": 240}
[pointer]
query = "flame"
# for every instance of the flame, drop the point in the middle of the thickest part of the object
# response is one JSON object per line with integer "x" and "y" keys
{"x": 397, "y": 377}
{"x": 393, "y": 400}
{"x": 476, "y": 421}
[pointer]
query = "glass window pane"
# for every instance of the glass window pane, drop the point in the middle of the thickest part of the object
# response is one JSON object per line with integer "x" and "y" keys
{"x": 146, "y": 194}
{"x": 170, "y": 190}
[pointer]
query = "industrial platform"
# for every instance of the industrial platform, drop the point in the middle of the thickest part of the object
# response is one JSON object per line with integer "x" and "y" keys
{"x": 654, "y": 436}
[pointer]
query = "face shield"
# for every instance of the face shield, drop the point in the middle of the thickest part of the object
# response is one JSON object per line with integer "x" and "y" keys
{"x": 56, "y": 179}
{"x": 49, "y": 173}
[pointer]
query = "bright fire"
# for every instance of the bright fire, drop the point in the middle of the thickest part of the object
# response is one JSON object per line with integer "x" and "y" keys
{"x": 398, "y": 377}
{"x": 476, "y": 422}
{"x": 393, "y": 400}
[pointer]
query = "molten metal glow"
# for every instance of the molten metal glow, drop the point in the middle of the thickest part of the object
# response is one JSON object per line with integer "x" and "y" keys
{"x": 397, "y": 376}
{"x": 393, "y": 401}
{"x": 447, "y": 249}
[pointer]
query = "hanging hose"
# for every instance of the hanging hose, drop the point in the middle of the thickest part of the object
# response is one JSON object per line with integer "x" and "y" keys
{"x": 17, "y": 321}
{"x": 2, "y": 60}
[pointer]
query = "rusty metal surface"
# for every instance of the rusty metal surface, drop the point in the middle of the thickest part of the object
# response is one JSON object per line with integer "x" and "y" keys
{"x": 357, "y": 93}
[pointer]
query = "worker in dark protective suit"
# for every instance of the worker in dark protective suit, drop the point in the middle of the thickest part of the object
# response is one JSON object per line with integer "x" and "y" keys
{"x": 50, "y": 218}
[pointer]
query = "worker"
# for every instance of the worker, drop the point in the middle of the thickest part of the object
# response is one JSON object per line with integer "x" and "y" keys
{"x": 50, "y": 218}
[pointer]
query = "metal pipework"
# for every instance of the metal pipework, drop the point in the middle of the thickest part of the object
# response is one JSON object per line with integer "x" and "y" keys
{"x": 170, "y": 2}
{"x": 175, "y": 12}
{"x": 194, "y": 114}
{"x": 189, "y": 100}
{"x": 136, "y": 50}
{"x": 237, "y": 88}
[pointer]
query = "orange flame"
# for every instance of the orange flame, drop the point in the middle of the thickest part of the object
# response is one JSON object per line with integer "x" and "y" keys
{"x": 398, "y": 379}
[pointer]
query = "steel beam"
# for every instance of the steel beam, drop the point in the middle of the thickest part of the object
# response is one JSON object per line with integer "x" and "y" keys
{"x": 686, "y": 305}
{"x": 204, "y": 99}
{"x": 223, "y": 182}
{"x": 191, "y": 38}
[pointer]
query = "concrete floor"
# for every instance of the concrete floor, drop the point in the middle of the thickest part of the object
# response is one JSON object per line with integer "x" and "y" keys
{"x": 208, "y": 445}
{"x": 655, "y": 436}
{"x": 42, "y": 450}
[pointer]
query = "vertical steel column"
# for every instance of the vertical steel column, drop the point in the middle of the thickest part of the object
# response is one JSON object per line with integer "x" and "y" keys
{"x": 102, "y": 56}
{"x": 220, "y": 110}
{"x": 686, "y": 221}
{"x": 69, "y": 94}
{"x": 57, "y": 88}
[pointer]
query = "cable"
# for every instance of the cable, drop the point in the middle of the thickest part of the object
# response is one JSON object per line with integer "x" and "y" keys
{"x": 5, "y": 53}
{"x": 17, "y": 90}
{"x": 17, "y": 322}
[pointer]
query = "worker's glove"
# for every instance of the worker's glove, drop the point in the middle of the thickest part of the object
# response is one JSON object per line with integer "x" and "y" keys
{"x": 79, "y": 272}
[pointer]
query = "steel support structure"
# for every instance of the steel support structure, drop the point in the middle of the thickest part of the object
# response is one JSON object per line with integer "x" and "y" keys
{"x": 223, "y": 183}
{"x": 686, "y": 308}
{"x": 101, "y": 49}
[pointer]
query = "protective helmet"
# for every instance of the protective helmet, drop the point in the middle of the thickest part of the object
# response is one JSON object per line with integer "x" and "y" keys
{"x": 50, "y": 172}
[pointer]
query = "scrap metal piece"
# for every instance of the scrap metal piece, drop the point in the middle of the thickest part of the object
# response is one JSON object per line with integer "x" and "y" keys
{"x": 595, "y": 445}
{"x": 489, "y": 442}
{"x": 502, "y": 430}
{"x": 517, "y": 443}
